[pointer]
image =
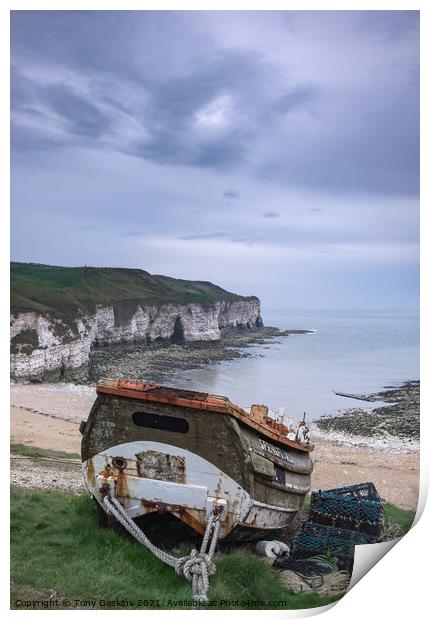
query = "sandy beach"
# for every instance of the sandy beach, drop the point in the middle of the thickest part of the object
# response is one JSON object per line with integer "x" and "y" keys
{"x": 48, "y": 416}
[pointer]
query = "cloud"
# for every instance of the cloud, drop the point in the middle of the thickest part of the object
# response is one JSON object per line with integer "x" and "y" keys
{"x": 210, "y": 235}
{"x": 299, "y": 97}
{"x": 231, "y": 194}
{"x": 80, "y": 115}
{"x": 120, "y": 123}
{"x": 249, "y": 241}
{"x": 217, "y": 114}
{"x": 288, "y": 116}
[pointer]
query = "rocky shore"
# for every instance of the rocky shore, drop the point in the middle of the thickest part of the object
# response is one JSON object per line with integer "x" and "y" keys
{"x": 398, "y": 418}
{"x": 158, "y": 362}
{"x": 59, "y": 315}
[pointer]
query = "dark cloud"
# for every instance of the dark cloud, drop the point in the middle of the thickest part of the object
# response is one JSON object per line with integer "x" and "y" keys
{"x": 164, "y": 148}
{"x": 210, "y": 235}
{"x": 139, "y": 125}
{"x": 303, "y": 96}
{"x": 90, "y": 40}
{"x": 231, "y": 194}
{"x": 393, "y": 25}
{"x": 132, "y": 82}
{"x": 249, "y": 241}
{"x": 80, "y": 116}
{"x": 168, "y": 111}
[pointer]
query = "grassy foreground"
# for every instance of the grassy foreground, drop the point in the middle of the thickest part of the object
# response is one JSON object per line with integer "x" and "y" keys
{"x": 59, "y": 551}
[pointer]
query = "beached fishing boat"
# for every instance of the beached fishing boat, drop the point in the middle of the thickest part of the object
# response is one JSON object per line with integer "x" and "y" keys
{"x": 164, "y": 450}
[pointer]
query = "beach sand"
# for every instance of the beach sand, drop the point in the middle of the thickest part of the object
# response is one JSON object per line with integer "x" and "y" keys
{"x": 394, "y": 474}
{"x": 48, "y": 416}
{"x": 39, "y": 431}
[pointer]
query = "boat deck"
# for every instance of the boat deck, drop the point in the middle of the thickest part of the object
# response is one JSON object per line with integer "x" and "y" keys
{"x": 198, "y": 400}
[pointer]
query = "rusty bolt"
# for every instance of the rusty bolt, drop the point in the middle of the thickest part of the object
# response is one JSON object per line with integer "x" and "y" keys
{"x": 119, "y": 462}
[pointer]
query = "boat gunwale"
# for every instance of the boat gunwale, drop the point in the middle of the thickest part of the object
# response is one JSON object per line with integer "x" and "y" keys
{"x": 216, "y": 404}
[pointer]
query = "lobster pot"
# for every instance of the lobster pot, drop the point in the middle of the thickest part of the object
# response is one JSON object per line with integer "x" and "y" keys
{"x": 357, "y": 507}
{"x": 315, "y": 539}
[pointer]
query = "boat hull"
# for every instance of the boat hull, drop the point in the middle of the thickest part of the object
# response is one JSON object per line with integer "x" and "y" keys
{"x": 189, "y": 487}
{"x": 168, "y": 459}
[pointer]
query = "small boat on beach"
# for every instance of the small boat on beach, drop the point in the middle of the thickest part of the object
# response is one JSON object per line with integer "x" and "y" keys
{"x": 190, "y": 455}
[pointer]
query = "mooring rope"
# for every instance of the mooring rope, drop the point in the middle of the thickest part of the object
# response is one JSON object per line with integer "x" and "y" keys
{"x": 196, "y": 567}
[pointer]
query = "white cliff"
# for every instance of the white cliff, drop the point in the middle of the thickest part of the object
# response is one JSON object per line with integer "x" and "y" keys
{"x": 44, "y": 346}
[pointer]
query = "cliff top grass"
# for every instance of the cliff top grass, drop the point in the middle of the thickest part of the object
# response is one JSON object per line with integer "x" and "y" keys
{"x": 64, "y": 291}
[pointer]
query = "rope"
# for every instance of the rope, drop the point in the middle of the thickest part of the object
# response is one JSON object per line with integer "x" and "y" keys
{"x": 196, "y": 567}
{"x": 316, "y": 574}
{"x": 332, "y": 584}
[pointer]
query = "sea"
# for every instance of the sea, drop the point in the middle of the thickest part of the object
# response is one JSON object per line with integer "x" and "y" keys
{"x": 351, "y": 352}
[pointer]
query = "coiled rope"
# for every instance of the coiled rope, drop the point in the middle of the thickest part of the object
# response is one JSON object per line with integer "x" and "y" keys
{"x": 196, "y": 567}
{"x": 333, "y": 583}
{"x": 314, "y": 574}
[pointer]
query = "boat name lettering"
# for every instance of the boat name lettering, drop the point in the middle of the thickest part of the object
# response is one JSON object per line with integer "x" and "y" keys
{"x": 267, "y": 447}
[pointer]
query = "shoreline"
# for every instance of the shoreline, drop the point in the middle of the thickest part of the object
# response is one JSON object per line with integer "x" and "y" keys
{"x": 388, "y": 442}
{"x": 158, "y": 361}
{"x": 48, "y": 416}
{"x": 344, "y": 428}
{"x": 396, "y": 421}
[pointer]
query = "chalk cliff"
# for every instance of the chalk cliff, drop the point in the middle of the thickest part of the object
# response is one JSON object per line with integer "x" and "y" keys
{"x": 46, "y": 345}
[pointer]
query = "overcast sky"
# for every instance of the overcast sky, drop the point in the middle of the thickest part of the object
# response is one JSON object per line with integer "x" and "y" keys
{"x": 273, "y": 153}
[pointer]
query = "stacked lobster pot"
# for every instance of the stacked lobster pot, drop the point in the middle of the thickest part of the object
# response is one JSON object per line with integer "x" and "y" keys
{"x": 338, "y": 520}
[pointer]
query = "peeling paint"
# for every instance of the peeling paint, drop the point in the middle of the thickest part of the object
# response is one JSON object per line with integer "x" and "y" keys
{"x": 161, "y": 466}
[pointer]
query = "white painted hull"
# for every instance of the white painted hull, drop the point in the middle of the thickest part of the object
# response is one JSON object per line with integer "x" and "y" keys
{"x": 150, "y": 476}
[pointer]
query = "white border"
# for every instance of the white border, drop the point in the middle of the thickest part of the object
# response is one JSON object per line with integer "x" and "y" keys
{"x": 397, "y": 587}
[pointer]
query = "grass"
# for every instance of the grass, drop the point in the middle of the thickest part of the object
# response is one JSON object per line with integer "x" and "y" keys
{"x": 64, "y": 291}
{"x": 396, "y": 515}
{"x": 60, "y": 550}
{"x": 23, "y": 450}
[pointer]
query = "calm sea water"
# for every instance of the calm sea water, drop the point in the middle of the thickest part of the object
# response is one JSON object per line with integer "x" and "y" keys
{"x": 354, "y": 353}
